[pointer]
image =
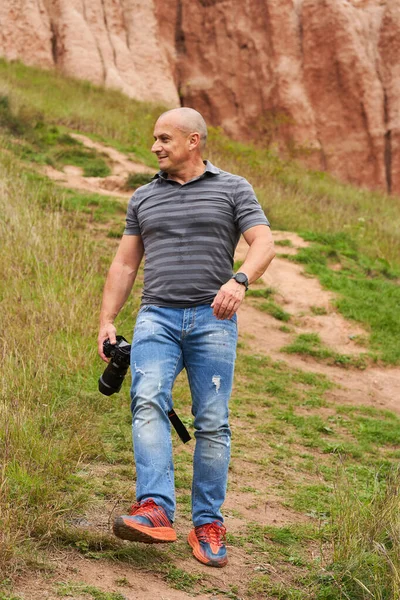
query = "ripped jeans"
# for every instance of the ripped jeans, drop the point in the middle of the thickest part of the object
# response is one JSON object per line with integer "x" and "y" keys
{"x": 165, "y": 341}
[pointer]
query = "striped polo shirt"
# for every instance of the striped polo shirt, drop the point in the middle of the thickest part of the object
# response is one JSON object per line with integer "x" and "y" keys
{"x": 190, "y": 232}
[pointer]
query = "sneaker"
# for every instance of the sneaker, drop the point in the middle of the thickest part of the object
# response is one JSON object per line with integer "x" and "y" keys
{"x": 207, "y": 542}
{"x": 147, "y": 522}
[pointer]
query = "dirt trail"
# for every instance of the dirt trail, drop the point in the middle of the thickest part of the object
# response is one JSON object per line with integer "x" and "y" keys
{"x": 301, "y": 296}
{"x": 113, "y": 185}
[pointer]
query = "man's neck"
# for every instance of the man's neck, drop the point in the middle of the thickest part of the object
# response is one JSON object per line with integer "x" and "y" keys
{"x": 188, "y": 173}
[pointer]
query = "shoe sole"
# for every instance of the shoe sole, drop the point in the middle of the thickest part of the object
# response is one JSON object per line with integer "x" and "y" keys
{"x": 194, "y": 543}
{"x": 126, "y": 530}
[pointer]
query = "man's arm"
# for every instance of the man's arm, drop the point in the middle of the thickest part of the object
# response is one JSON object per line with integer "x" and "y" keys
{"x": 260, "y": 254}
{"x": 119, "y": 282}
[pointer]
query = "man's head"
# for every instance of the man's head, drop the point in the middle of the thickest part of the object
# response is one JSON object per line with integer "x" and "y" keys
{"x": 180, "y": 136}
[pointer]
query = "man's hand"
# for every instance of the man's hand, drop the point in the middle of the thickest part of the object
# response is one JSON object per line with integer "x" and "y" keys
{"x": 107, "y": 331}
{"x": 228, "y": 299}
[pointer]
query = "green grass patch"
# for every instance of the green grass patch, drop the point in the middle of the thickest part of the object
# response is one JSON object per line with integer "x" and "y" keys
{"x": 109, "y": 116}
{"x": 310, "y": 344}
{"x": 135, "y": 180}
{"x": 89, "y": 160}
{"x": 368, "y": 290}
{"x": 100, "y": 208}
{"x": 180, "y": 579}
{"x": 265, "y": 379}
{"x": 5, "y": 596}
{"x": 70, "y": 590}
{"x": 94, "y": 207}
{"x": 285, "y": 243}
{"x": 257, "y": 293}
{"x": 35, "y": 141}
{"x": 274, "y": 310}
{"x": 319, "y": 311}
{"x": 314, "y": 500}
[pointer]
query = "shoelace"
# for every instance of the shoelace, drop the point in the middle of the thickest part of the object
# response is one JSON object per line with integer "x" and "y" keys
{"x": 142, "y": 508}
{"x": 149, "y": 509}
{"x": 211, "y": 533}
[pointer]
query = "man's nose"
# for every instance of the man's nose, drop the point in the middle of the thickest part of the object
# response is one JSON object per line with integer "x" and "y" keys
{"x": 156, "y": 146}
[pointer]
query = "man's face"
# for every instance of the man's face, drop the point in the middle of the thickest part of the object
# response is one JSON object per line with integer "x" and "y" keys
{"x": 171, "y": 146}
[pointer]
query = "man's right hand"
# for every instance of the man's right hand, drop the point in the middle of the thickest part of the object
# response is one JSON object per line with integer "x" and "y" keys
{"x": 107, "y": 331}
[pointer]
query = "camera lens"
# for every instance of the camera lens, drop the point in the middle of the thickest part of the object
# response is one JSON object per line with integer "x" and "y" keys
{"x": 111, "y": 380}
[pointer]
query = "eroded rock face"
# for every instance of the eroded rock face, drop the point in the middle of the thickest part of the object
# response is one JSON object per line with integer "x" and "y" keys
{"x": 110, "y": 42}
{"x": 321, "y": 76}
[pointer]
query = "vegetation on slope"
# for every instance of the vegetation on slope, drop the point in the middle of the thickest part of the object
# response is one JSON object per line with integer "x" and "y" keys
{"x": 335, "y": 465}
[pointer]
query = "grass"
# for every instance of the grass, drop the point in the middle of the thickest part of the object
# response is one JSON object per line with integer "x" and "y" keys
{"x": 35, "y": 141}
{"x": 69, "y": 590}
{"x": 259, "y": 293}
{"x": 48, "y": 366}
{"x": 66, "y": 450}
{"x": 80, "y": 106}
{"x": 365, "y": 559}
{"x": 135, "y": 180}
{"x": 368, "y": 290}
{"x": 270, "y": 307}
{"x": 341, "y": 220}
{"x": 274, "y": 310}
{"x": 294, "y": 198}
{"x": 310, "y": 344}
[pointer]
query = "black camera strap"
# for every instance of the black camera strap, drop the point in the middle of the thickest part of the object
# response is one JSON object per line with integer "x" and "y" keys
{"x": 179, "y": 426}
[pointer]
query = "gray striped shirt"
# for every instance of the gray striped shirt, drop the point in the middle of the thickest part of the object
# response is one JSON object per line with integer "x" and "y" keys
{"x": 190, "y": 233}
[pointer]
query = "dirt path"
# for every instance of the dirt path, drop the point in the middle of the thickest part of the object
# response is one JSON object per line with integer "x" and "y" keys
{"x": 113, "y": 185}
{"x": 301, "y": 296}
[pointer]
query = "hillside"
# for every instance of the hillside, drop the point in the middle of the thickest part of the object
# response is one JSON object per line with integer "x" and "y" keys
{"x": 317, "y": 78}
{"x": 312, "y": 506}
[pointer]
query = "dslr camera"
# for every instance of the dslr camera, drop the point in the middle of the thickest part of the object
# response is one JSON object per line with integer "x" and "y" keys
{"x": 111, "y": 380}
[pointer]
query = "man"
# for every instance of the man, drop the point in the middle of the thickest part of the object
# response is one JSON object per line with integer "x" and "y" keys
{"x": 187, "y": 222}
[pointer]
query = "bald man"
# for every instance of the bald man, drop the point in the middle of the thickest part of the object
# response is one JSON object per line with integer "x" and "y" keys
{"x": 186, "y": 223}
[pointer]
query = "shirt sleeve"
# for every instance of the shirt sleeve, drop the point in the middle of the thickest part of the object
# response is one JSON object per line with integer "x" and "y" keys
{"x": 248, "y": 211}
{"x": 132, "y": 223}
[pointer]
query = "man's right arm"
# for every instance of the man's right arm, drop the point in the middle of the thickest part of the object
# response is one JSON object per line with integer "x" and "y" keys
{"x": 119, "y": 282}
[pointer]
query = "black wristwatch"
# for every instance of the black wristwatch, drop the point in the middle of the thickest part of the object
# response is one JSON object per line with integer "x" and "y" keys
{"x": 242, "y": 278}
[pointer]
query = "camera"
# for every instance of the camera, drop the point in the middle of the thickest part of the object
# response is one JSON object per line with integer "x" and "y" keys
{"x": 111, "y": 380}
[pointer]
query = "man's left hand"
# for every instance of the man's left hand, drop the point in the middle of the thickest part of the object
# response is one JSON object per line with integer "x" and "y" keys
{"x": 228, "y": 299}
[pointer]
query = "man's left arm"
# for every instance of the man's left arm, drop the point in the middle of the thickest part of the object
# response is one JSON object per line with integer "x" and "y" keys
{"x": 260, "y": 254}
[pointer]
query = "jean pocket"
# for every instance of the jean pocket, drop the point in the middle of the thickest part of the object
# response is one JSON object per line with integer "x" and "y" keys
{"x": 143, "y": 309}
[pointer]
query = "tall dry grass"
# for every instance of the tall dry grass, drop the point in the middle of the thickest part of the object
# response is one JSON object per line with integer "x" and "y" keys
{"x": 366, "y": 555}
{"x": 50, "y": 286}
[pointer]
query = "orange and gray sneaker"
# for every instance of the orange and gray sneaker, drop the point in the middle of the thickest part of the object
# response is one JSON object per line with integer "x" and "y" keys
{"x": 147, "y": 522}
{"x": 207, "y": 542}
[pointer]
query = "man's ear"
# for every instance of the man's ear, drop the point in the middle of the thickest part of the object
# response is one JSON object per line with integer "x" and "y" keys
{"x": 194, "y": 140}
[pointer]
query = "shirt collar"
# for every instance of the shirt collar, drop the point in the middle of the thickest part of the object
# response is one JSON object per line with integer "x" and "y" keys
{"x": 209, "y": 172}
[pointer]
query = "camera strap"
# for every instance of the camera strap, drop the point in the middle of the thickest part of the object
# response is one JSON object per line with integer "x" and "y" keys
{"x": 179, "y": 426}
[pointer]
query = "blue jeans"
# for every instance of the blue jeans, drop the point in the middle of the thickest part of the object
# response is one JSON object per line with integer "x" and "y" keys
{"x": 165, "y": 341}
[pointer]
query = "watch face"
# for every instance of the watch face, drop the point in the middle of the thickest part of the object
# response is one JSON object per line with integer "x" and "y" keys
{"x": 241, "y": 278}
